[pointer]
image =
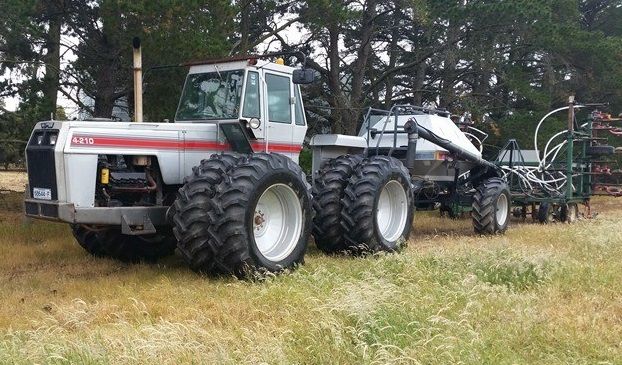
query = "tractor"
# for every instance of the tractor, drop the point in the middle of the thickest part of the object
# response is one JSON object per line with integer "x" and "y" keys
{"x": 222, "y": 184}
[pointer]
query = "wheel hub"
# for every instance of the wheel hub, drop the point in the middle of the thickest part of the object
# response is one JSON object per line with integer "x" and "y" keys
{"x": 260, "y": 221}
{"x": 277, "y": 222}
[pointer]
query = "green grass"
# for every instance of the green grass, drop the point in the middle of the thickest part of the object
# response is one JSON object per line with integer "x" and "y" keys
{"x": 539, "y": 294}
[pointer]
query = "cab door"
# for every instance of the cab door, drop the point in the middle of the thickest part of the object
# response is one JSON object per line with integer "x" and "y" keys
{"x": 280, "y": 113}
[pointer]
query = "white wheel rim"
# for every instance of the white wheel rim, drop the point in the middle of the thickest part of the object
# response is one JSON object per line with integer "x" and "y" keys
{"x": 392, "y": 211}
{"x": 502, "y": 209}
{"x": 277, "y": 222}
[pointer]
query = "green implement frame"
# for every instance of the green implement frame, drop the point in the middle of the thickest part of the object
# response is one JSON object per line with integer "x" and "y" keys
{"x": 551, "y": 189}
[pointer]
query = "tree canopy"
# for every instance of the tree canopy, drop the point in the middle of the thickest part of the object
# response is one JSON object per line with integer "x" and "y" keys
{"x": 506, "y": 62}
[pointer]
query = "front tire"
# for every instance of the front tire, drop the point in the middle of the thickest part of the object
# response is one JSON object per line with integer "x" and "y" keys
{"x": 378, "y": 206}
{"x": 491, "y": 207}
{"x": 110, "y": 242}
{"x": 190, "y": 211}
{"x": 261, "y": 217}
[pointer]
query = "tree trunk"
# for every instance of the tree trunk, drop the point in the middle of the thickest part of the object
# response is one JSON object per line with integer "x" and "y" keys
{"x": 245, "y": 28}
{"x": 395, "y": 35}
{"x": 447, "y": 94}
{"x": 419, "y": 82}
{"x": 108, "y": 83}
{"x": 52, "y": 58}
{"x": 334, "y": 80}
{"x": 358, "y": 70}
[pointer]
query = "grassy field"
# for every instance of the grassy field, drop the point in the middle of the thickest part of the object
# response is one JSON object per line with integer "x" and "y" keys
{"x": 548, "y": 295}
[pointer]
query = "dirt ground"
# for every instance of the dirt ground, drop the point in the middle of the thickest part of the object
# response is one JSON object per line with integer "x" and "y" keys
{"x": 13, "y": 180}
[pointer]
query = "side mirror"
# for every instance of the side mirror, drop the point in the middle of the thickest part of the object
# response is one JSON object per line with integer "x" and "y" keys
{"x": 303, "y": 76}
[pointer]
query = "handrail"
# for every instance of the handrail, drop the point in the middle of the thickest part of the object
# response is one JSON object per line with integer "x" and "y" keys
{"x": 395, "y": 111}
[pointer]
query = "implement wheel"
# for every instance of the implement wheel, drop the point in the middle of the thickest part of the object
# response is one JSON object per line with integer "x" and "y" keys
{"x": 491, "y": 207}
{"x": 546, "y": 213}
{"x": 328, "y": 190}
{"x": 569, "y": 213}
{"x": 378, "y": 206}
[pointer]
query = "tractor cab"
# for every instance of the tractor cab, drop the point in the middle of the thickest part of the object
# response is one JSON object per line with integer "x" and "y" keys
{"x": 263, "y": 95}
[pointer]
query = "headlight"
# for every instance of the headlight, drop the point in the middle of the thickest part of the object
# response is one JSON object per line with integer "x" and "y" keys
{"x": 254, "y": 123}
{"x": 40, "y": 139}
{"x": 53, "y": 138}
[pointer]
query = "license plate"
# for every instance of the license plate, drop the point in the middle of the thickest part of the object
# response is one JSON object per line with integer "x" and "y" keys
{"x": 42, "y": 193}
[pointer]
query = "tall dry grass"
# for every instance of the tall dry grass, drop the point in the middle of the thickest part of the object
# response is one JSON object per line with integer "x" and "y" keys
{"x": 539, "y": 294}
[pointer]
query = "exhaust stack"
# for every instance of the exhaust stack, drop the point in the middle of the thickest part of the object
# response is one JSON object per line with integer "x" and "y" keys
{"x": 138, "y": 81}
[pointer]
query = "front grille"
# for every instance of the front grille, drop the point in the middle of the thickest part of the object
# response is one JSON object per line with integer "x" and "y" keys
{"x": 32, "y": 208}
{"x": 40, "y": 159}
{"x": 42, "y": 209}
{"x": 49, "y": 210}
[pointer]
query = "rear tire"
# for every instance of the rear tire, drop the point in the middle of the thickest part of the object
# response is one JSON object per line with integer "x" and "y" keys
{"x": 328, "y": 190}
{"x": 378, "y": 206}
{"x": 261, "y": 216}
{"x": 190, "y": 210}
{"x": 110, "y": 242}
{"x": 491, "y": 207}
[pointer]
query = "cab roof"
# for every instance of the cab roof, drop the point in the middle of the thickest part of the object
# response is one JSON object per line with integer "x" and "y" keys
{"x": 237, "y": 64}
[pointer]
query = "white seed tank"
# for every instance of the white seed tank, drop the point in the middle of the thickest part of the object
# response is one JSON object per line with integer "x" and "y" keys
{"x": 432, "y": 160}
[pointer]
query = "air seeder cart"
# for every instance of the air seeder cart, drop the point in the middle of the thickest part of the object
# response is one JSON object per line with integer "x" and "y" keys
{"x": 443, "y": 166}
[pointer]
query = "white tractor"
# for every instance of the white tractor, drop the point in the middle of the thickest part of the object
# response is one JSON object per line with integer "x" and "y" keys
{"x": 222, "y": 183}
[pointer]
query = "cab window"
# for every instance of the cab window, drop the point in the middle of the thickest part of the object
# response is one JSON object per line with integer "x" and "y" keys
{"x": 251, "y": 96}
{"x": 211, "y": 95}
{"x": 279, "y": 108}
{"x": 300, "y": 115}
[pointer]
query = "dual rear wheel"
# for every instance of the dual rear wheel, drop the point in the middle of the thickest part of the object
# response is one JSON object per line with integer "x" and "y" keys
{"x": 549, "y": 213}
{"x": 362, "y": 205}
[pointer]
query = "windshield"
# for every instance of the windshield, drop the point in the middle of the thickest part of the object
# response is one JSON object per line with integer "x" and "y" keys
{"x": 211, "y": 95}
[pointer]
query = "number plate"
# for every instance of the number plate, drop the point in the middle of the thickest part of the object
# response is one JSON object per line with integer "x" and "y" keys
{"x": 42, "y": 193}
